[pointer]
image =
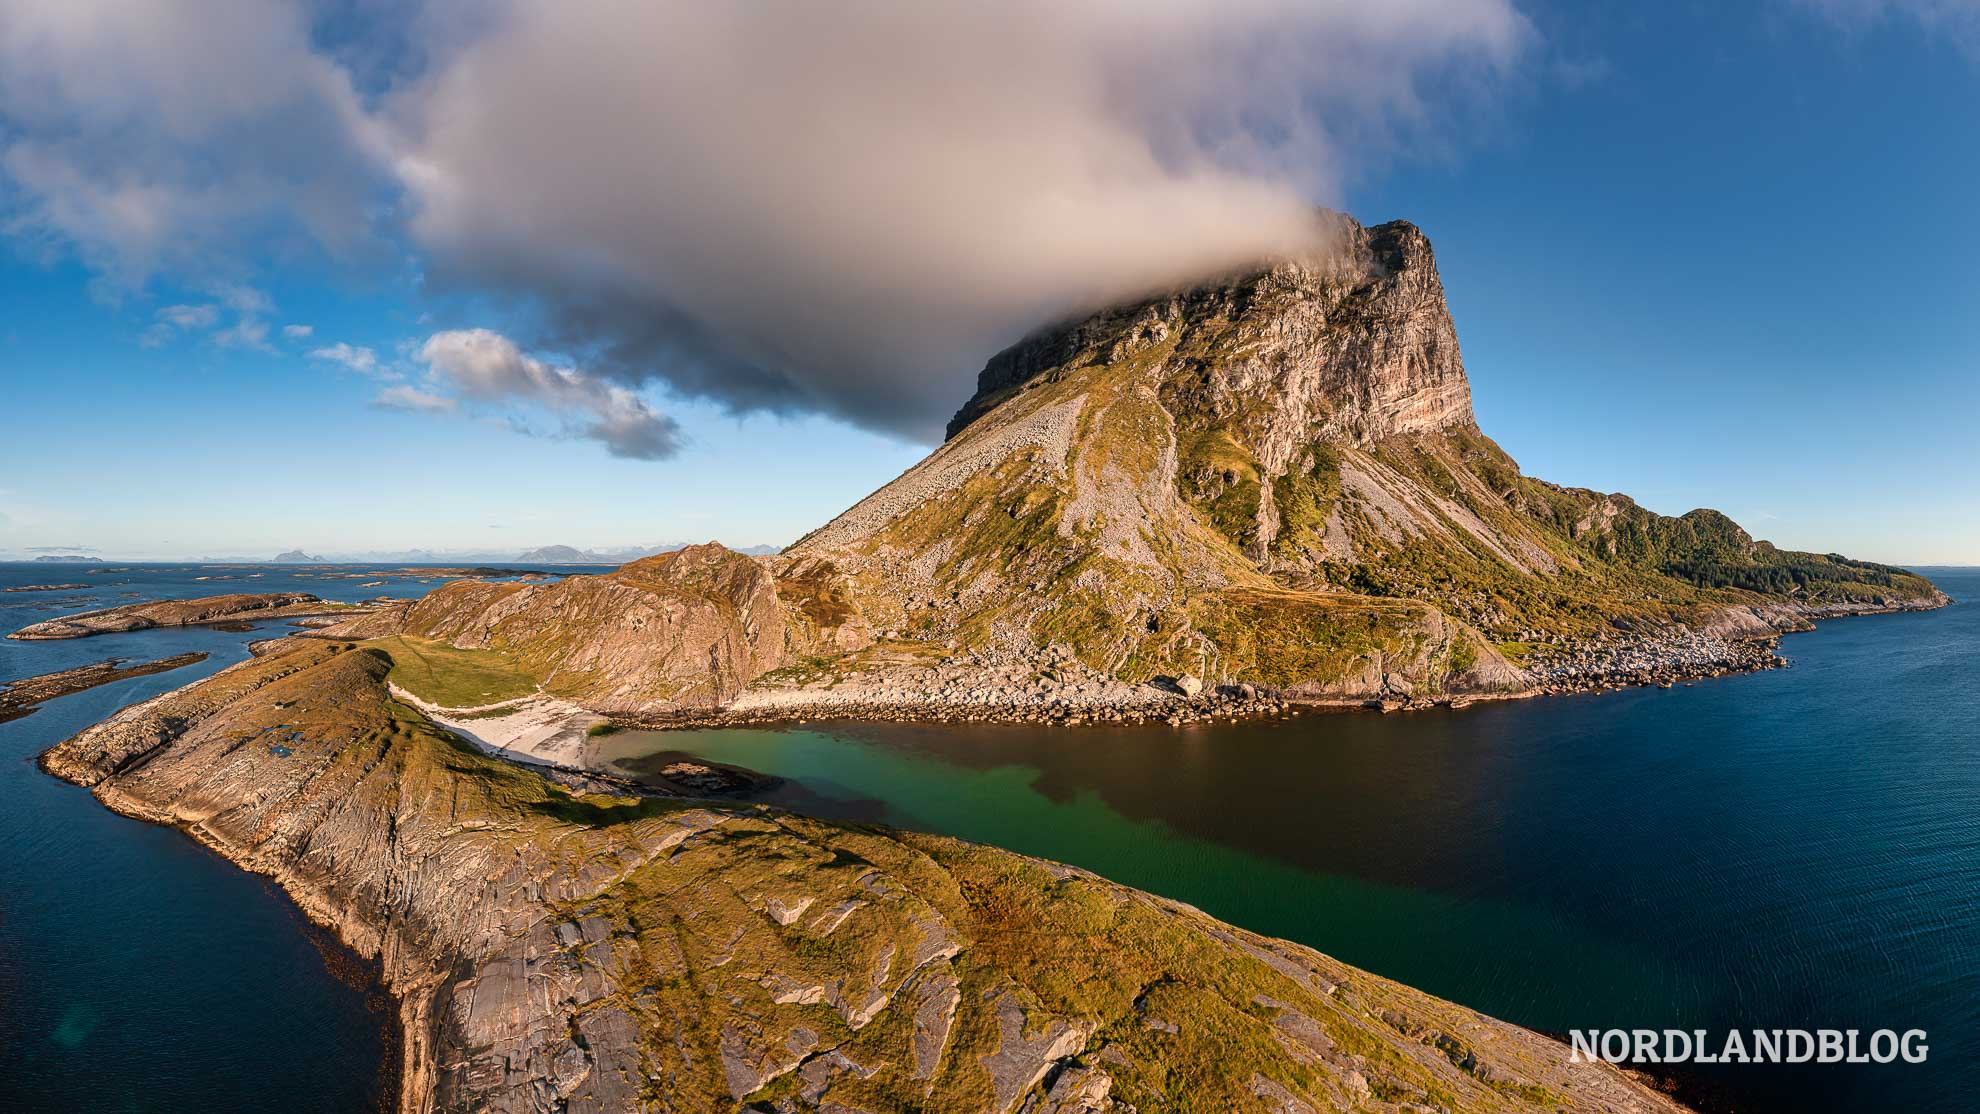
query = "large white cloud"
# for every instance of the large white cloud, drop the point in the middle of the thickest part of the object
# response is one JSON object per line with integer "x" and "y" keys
{"x": 831, "y": 207}
{"x": 846, "y": 207}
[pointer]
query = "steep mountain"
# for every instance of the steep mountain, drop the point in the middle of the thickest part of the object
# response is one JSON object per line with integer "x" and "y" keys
{"x": 295, "y": 557}
{"x": 1277, "y": 477}
{"x": 572, "y": 946}
{"x": 1273, "y": 479}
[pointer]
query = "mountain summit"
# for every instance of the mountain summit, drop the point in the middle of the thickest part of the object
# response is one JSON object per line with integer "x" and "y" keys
{"x": 1271, "y": 479}
{"x": 1277, "y": 477}
{"x": 1355, "y": 342}
{"x": 1127, "y": 484}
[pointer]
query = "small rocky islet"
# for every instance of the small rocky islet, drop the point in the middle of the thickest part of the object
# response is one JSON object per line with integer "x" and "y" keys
{"x": 22, "y": 697}
{"x": 1255, "y": 496}
{"x": 205, "y": 611}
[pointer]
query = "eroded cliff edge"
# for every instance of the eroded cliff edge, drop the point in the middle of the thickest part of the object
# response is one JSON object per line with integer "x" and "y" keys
{"x": 567, "y": 947}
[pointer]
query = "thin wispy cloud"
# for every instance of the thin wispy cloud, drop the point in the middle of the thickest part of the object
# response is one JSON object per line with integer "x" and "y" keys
{"x": 248, "y": 332}
{"x": 243, "y": 299}
{"x": 176, "y": 320}
{"x": 404, "y": 397}
{"x": 190, "y": 317}
{"x": 362, "y": 360}
{"x": 1956, "y": 21}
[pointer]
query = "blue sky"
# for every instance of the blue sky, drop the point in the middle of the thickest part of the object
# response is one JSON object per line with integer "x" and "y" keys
{"x": 1708, "y": 255}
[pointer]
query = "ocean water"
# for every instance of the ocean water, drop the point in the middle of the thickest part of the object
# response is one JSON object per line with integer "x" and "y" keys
{"x": 1791, "y": 849}
{"x": 138, "y": 971}
{"x": 1799, "y": 848}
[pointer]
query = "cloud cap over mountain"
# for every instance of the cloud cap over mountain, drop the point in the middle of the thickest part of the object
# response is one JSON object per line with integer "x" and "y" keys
{"x": 795, "y": 208}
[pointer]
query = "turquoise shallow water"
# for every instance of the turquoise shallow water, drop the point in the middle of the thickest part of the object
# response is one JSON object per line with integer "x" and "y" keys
{"x": 1798, "y": 848}
{"x": 1795, "y": 848}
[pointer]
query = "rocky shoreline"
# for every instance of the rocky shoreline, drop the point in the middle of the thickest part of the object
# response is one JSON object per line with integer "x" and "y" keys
{"x": 1739, "y": 640}
{"x": 559, "y": 953}
{"x": 1005, "y": 686}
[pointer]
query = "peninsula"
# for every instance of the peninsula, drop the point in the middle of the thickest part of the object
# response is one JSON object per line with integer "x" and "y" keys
{"x": 1261, "y": 492}
{"x": 558, "y": 941}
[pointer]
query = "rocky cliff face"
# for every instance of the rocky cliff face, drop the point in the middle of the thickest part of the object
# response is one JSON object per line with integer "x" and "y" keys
{"x": 1118, "y": 485}
{"x": 1277, "y": 478}
{"x": 1273, "y": 479}
{"x": 562, "y": 946}
{"x": 1356, "y": 344}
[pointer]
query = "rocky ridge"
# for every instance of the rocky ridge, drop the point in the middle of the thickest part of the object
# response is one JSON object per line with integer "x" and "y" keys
{"x": 687, "y": 629}
{"x": 204, "y": 611}
{"x": 560, "y": 945}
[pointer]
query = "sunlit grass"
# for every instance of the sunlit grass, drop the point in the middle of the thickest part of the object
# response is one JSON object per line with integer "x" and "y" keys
{"x": 441, "y": 674}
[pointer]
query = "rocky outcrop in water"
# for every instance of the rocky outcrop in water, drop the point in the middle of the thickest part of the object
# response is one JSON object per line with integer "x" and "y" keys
{"x": 22, "y": 697}
{"x": 563, "y": 945}
{"x": 183, "y": 613}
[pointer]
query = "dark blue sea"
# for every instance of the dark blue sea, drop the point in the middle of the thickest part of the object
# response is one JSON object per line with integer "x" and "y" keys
{"x": 139, "y": 971}
{"x": 1791, "y": 849}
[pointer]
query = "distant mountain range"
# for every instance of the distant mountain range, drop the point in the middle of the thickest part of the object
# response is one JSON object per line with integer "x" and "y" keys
{"x": 541, "y": 555}
{"x": 571, "y": 555}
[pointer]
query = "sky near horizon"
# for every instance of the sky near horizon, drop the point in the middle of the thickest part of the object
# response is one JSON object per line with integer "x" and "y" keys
{"x": 360, "y": 276}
